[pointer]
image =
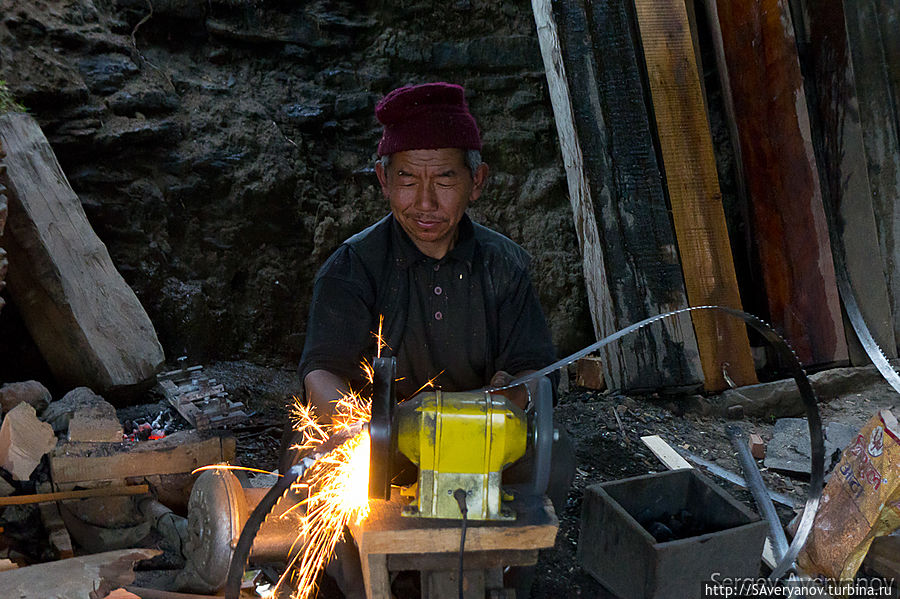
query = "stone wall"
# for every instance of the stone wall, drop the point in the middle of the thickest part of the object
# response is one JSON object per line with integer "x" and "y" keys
{"x": 223, "y": 149}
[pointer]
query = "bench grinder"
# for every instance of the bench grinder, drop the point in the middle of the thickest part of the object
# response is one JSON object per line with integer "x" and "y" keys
{"x": 458, "y": 440}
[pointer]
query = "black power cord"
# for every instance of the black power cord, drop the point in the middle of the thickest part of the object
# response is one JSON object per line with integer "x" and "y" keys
{"x": 460, "y": 496}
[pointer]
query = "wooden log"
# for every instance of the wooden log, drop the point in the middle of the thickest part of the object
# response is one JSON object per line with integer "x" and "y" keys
{"x": 603, "y": 77}
{"x": 879, "y": 124}
{"x": 690, "y": 171}
{"x": 840, "y": 152}
{"x": 23, "y": 441}
{"x": 178, "y": 453}
{"x": 759, "y": 66}
{"x": 87, "y": 322}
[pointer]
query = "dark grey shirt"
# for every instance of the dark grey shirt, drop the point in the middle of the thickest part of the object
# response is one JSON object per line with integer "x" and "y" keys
{"x": 459, "y": 319}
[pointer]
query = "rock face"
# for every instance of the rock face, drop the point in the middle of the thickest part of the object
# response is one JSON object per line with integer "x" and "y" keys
{"x": 30, "y": 392}
{"x": 225, "y": 155}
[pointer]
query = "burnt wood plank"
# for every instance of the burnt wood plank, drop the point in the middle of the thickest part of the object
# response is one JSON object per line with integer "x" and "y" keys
{"x": 628, "y": 202}
{"x": 696, "y": 201}
{"x": 878, "y": 119}
{"x": 599, "y": 299}
{"x": 759, "y": 65}
{"x": 843, "y": 170}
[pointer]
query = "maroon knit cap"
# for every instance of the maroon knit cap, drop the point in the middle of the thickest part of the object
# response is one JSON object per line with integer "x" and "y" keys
{"x": 426, "y": 117}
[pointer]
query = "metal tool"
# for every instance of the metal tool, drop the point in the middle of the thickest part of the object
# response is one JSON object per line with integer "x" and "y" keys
{"x": 759, "y": 490}
{"x": 459, "y": 440}
{"x": 731, "y": 477}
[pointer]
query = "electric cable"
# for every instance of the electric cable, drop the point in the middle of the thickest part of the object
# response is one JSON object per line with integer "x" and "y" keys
{"x": 460, "y": 496}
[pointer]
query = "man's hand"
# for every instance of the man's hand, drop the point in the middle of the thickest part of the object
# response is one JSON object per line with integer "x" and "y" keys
{"x": 518, "y": 394}
{"x": 322, "y": 390}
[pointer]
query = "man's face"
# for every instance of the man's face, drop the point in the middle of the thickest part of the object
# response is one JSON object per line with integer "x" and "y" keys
{"x": 429, "y": 191}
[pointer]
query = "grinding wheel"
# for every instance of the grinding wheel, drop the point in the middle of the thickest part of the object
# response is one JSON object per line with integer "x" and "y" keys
{"x": 381, "y": 433}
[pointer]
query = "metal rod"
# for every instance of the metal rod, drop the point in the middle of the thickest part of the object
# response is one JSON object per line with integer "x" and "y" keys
{"x": 759, "y": 490}
{"x": 731, "y": 477}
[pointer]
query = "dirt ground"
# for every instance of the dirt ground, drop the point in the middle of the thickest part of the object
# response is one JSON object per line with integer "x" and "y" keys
{"x": 605, "y": 450}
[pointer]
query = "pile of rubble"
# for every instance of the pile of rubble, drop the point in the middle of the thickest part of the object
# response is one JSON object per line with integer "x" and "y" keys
{"x": 107, "y": 493}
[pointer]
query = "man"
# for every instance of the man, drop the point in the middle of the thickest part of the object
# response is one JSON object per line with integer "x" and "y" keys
{"x": 457, "y": 300}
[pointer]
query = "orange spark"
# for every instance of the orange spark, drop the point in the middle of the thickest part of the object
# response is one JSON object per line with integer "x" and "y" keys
{"x": 379, "y": 338}
{"x": 338, "y": 486}
{"x": 428, "y": 384}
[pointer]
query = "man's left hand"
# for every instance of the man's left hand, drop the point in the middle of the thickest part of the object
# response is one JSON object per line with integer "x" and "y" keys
{"x": 518, "y": 394}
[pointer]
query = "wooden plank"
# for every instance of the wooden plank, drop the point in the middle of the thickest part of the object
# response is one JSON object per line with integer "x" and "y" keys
{"x": 481, "y": 560}
{"x": 840, "y": 152}
{"x": 603, "y": 76}
{"x": 385, "y": 531}
{"x": 690, "y": 172}
{"x": 592, "y": 252}
{"x": 443, "y": 584}
{"x": 51, "y": 497}
{"x": 86, "y": 320}
{"x": 375, "y": 576}
{"x": 759, "y": 65}
{"x": 665, "y": 453}
{"x": 178, "y": 453}
{"x": 879, "y": 124}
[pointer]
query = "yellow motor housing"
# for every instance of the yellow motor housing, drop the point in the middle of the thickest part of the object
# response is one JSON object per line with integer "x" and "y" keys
{"x": 460, "y": 440}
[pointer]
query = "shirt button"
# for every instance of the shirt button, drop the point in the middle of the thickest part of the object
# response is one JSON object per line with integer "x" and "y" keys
{"x": 438, "y": 291}
{"x": 438, "y": 316}
{"x": 437, "y": 267}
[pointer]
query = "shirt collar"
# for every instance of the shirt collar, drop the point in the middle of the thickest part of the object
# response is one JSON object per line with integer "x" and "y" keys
{"x": 408, "y": 254}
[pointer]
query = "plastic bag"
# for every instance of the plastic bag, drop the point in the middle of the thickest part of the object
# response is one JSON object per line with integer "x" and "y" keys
{"x": 860, "y": 502}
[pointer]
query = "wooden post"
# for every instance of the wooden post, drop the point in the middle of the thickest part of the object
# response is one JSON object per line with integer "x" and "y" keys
{"x": 759, "y": 66}
{"x": 693, "y": 186}
{"x": 630, "y": 259}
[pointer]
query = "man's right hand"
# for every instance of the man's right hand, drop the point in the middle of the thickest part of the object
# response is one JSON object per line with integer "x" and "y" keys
{"x": 322, "y": 389}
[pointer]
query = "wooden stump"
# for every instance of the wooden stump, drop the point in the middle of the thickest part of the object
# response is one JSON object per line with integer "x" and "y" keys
{"x": 86, "y": 320}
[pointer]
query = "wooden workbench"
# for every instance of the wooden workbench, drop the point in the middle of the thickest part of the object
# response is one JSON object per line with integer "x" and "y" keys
{"x": 389, "y": 541}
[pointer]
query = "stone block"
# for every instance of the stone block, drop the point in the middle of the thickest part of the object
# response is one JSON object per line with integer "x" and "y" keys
{"x": 30, "y": 392}
{"x": 60, "y": 413}
{"x": 23, "y": 441}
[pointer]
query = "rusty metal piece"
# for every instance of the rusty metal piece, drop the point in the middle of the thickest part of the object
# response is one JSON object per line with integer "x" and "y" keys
{"x": 199, "y": 399}
{"x": 217, "y": 512}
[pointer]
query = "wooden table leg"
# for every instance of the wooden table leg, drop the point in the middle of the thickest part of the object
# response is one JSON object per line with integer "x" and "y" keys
{"x": 375, "y": 575}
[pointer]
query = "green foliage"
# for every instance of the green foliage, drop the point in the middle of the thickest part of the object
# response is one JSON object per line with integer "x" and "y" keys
{"x": 7, "y": 102}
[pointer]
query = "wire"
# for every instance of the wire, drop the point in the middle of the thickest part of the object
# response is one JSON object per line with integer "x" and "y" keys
{"x": 460, "y": 496}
